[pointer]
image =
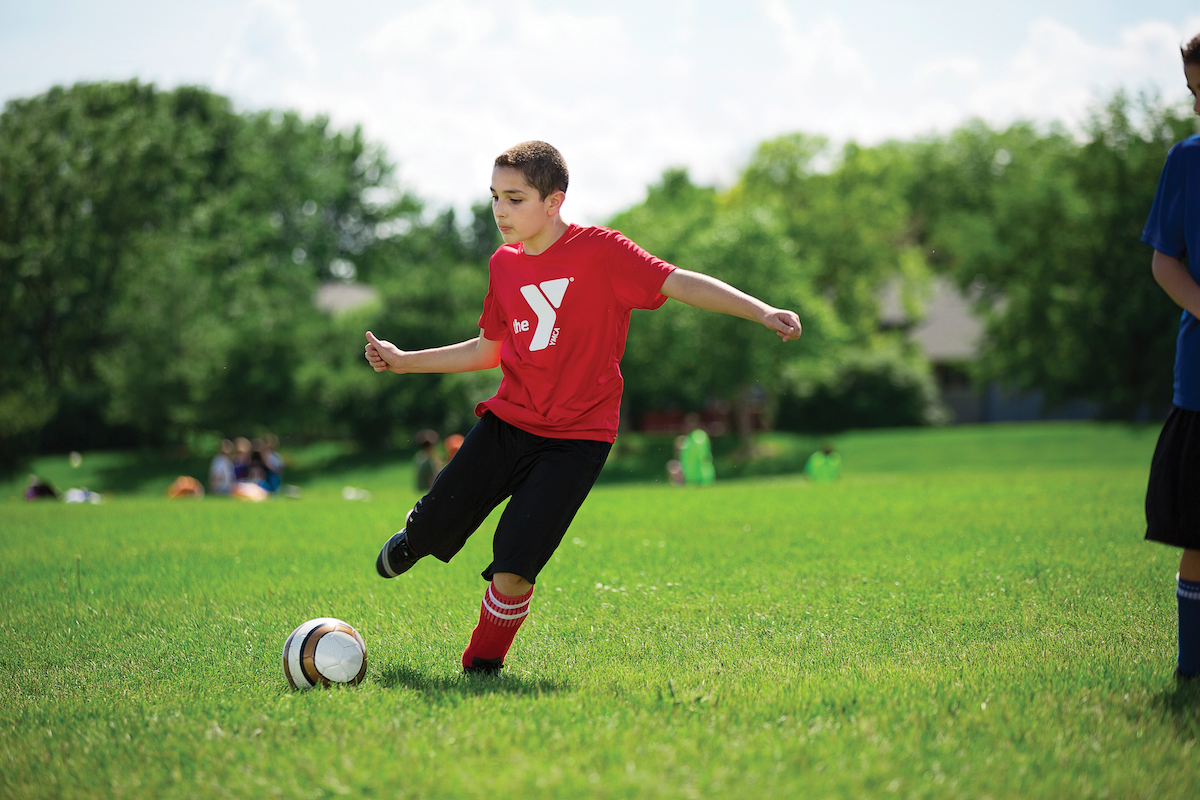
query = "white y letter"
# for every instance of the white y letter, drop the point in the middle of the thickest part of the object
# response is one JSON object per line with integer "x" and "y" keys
{"x": 545, "y": 317}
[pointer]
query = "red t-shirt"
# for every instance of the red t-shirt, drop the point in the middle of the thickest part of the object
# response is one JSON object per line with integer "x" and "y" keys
{"x": 562, "y": 318}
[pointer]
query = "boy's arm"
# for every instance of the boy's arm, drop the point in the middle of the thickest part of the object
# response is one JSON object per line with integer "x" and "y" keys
{"x": 705, "y": 291}
{"x": 1176, "y": 281}
{"x": 468, "y": 356}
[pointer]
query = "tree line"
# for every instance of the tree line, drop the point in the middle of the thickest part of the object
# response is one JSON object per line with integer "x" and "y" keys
{"x": 160, "y": 252}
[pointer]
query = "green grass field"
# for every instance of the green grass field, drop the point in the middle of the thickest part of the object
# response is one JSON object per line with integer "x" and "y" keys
{"x": 969, "y": 612}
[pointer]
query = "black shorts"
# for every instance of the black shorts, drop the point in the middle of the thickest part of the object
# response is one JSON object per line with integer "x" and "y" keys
{"x": 547, "y": 480}
{"x": 1173, "y": 496}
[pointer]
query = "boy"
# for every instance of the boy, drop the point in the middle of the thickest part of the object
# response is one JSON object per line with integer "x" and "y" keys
{"x": 1173, "y": 495}
{"x": 555, "y": 319}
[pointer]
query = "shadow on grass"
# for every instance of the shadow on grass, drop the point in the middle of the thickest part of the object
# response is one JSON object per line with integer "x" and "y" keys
{"x": 1181, "y": 705}
{"x": 148, "y": 472}
{"x": 475, "y": 685}
{"x": 643, "y": 457}
{"x": 346, "y": 463}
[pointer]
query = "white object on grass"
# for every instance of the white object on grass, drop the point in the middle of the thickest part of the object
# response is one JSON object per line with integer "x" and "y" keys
{"x": 322, "y": 652}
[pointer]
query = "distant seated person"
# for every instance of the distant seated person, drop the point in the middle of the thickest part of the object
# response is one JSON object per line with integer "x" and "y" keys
{"x": 258, "y": 468}
{"x": 273, "y": 462}
{"x": 260, "y": 471}
{"x": 40, "y": 490}
{"x": 242, "y": 450}
{"x": 426, "y": 460}
{"x": 824, "y": 465}
{"x": 221, "y": 475}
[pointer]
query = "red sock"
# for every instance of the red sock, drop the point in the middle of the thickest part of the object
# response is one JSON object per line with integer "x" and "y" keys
{"x": 499, "y": 618}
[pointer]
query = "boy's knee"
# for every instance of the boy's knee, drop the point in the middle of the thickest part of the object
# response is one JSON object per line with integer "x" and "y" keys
{"x": 1189, "y": 566}
{"x": 510, "y": 584}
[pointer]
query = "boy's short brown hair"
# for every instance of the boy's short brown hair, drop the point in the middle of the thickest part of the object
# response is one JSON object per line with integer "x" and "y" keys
{"x": 1191, "y": 51}
{"x": 542, "y": 166}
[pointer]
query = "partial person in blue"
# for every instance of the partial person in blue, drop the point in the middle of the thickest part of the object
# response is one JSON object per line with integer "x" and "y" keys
{"x": 1173, "y": 494}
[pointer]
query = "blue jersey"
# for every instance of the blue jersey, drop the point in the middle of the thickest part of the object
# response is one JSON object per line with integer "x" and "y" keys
{"x": 1173, "y": 229}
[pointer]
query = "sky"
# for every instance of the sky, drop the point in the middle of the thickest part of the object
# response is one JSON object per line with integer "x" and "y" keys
{"x": 624, "y": 88}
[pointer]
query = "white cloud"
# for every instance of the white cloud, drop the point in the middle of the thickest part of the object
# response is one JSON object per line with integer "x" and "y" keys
{"x": 447, "y": 84}
{"x": 822, "y": 83}
{"x": 271, "y": 41}
{"x": 1057, "y": 74}
{"x": 820, "y": 51}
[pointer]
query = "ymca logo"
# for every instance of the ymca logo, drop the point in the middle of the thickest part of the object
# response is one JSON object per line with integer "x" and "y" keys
{"x": 543, "y": 298}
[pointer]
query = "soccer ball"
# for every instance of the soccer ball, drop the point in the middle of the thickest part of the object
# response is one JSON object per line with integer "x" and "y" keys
{"x": 324, "y": 651}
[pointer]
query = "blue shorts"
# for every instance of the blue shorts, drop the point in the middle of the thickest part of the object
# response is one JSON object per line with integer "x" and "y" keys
{"x": 547, "y": 479}
{"x": 1173, "y": 494}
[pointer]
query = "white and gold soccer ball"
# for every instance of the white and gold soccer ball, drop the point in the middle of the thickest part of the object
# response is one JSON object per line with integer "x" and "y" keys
{"x": 324, "y": 651}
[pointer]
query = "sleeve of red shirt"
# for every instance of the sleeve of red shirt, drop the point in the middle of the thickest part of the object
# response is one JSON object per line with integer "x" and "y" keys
{"x": 492, "y": 320}
{"x": 636, "y": 275}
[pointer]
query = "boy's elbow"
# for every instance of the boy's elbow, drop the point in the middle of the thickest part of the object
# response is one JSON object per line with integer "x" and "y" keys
{"x": 487, "y": 354}
{"x": 1162, "y": 263}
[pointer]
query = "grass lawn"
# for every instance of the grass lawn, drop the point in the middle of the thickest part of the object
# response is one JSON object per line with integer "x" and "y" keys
{"x": 969, "y": 612}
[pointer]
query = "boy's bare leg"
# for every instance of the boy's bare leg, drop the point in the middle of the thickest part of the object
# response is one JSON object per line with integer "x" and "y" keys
{"x": 1189, "y": 566}
{"x": 514, "y": 585}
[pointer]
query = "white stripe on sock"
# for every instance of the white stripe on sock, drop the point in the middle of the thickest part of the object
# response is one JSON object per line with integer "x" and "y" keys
{"x": 1187, "y": 593}
{"x": 496, "y": 601}
{"x": 498, "y": 615}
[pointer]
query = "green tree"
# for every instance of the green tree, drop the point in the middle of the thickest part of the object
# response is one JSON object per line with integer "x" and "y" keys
{"x": 1046, "y": 231}
{"x": 851, "y": 224}
{"x": 681, "y": 356}
{"x": 432, "y": 277}
{"x": 158, "y": 257}
{"x": 826, "y": 242}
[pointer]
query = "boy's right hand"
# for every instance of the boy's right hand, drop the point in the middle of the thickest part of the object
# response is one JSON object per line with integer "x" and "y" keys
{"x": 383, "y": 356}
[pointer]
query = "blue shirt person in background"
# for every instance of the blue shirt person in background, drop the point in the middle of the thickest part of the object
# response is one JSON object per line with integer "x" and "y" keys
{"x": 221, "y": 475}
{"x": 1173, "y": 494}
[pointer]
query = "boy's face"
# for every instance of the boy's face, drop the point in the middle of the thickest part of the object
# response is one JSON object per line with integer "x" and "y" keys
{"x": 520, "y": 214}
{"x": 1192, "y": 73}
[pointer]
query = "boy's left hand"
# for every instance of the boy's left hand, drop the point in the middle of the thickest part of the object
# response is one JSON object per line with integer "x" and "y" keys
{"x": 785, "y": 323}
{"x": 383, "y": 356}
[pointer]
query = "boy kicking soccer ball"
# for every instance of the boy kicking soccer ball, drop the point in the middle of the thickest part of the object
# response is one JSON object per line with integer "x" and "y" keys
{"x": 1173, "y": 496}
{"x": 555, "y": 319}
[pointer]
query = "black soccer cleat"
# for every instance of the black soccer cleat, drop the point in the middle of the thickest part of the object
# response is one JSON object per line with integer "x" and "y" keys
{"x": 396, "y": 557}
{"x": 484, "y": 666}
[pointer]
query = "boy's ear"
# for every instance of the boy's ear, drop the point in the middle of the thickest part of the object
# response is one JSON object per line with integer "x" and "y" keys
{"x": 555, "y": 200}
